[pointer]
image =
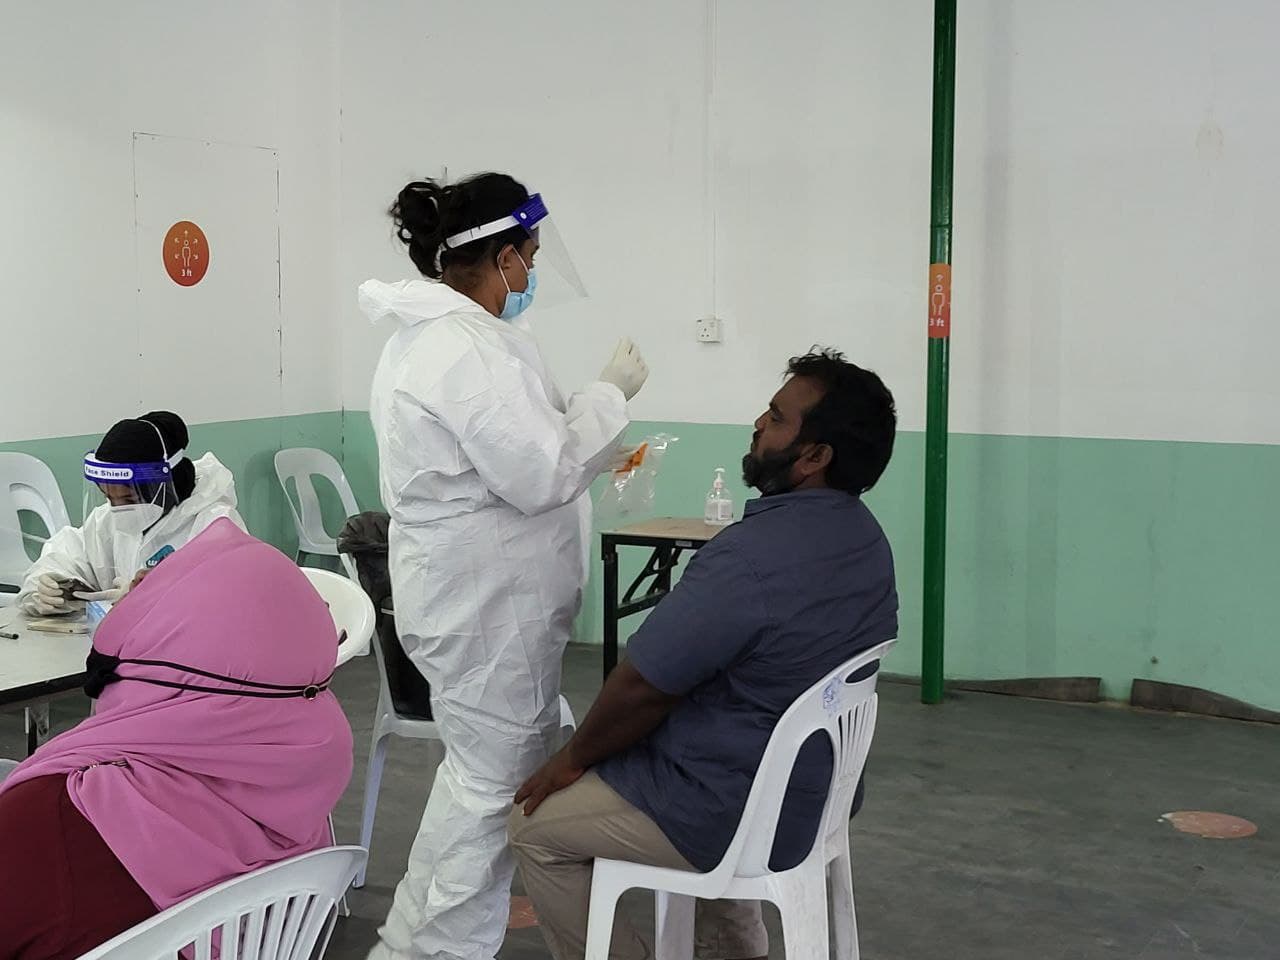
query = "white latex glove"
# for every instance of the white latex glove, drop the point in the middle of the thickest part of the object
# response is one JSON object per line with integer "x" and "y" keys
{"x": 50, "y": 598}
{"x": 111, "y": 595}
{"x": 627, "y": 370}
{"x": 621, "y": 458}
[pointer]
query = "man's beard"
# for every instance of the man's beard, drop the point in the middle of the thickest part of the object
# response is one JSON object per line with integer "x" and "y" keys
{"x": 771, "y": 472}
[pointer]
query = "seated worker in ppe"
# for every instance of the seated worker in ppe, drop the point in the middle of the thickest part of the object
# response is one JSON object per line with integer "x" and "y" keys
{"x": 151, "y": 500}
{"x": 660, "y": 770}
{"x": 216, "y": 748}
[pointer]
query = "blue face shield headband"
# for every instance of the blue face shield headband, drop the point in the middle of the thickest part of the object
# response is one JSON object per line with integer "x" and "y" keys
{"x": 129, "y": 474}
{"x": 528, "y": 215}
{"x": 150, "y": 482}
{"x": 145, "y": 479}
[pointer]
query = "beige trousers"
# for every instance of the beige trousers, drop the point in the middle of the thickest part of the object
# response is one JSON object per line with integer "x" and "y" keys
{"x": 556, "y": 848}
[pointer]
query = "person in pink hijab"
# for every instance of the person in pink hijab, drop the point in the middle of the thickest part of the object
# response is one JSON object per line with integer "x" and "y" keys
{"x": 216, "y": 748}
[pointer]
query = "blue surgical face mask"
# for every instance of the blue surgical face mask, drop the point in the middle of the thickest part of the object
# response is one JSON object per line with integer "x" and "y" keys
{"x": 518, "y": 301}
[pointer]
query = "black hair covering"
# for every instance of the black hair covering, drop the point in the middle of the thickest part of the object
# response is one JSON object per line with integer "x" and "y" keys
{"x": 136, "y": 441}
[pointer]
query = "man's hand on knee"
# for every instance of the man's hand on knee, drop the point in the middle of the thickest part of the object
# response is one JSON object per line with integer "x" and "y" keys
{"x": 559, "y": 772}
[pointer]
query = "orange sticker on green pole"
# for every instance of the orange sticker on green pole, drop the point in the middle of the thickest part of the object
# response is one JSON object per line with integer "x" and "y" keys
{"x": 939, "y": 300}
{"x": 186, "y": 253}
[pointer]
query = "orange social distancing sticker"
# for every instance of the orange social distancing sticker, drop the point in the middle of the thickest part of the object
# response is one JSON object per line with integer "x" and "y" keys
{"x": 186, "y": 253}
{"x": 939, "y": 300}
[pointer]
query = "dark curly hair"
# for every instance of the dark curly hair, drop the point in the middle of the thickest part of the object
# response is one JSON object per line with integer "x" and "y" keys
{"x": 428, "y": 211}
{"x": 856, "y": 418}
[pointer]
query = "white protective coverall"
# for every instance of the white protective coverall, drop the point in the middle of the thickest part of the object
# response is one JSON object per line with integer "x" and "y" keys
{"x": 483, "y": 468}
{"x": 98, "y": 554}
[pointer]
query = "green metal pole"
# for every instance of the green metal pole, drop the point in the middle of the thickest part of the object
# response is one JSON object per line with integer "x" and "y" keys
{"x": 935, "y": 445}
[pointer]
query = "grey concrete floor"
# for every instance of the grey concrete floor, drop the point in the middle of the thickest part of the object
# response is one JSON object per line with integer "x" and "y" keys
{"x": 993, "y": 828}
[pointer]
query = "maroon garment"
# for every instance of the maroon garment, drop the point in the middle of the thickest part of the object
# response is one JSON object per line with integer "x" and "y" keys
{"x": 63, "y": 891}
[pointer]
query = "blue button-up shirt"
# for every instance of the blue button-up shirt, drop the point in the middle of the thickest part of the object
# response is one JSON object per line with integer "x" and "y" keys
{"x": 764, "y": 611}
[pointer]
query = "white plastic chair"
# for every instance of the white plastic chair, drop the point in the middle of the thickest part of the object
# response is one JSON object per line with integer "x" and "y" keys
{"x": 276, "y": 913}
{"x": 387, "y": 722}
{"x": 353, "y": 614}
{"x": 846, "y": 711}
{"x": 350, "y": 607}
{"x": 301, "y": 464}
{"x": 25, "y": 484}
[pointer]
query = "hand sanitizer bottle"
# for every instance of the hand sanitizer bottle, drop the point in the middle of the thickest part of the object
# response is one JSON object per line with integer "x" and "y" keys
{"x": 719, "y": 512}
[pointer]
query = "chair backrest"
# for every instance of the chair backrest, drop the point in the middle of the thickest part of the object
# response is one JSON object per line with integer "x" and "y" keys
{"x": 349, "y": 567}
{"x": 845, "y": 710}
{"x": 301, "y": 464}
{"x": 25, "y": 484}
{"x": 276, "y": 913}
{"x": 402, "y": 684}
{"x": 349, "y": 605}
{"x": 353, "y": 574}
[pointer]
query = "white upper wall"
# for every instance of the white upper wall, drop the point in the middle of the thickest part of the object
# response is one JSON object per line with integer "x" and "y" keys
{"x": 1115, "y": 209}
{"x": 77, "y": 80}
{"x": 1113, "y": 202}
{"x": 766, "y": 161}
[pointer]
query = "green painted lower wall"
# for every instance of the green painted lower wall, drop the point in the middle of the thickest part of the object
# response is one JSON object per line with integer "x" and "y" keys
{"x": 360, "y": 458}
{"x": 247, "y": 447}
{"x": 1110, "y": 558}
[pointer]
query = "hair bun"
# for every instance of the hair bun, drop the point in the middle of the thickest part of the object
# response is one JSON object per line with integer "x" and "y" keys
{"x": 426, "y": 212}
{"x": 419, "y": 222}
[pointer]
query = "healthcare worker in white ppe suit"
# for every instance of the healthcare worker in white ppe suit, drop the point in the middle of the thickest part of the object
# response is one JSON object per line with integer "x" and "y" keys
{"x": 145, "y": 498}
{"x": 484, "y": 465}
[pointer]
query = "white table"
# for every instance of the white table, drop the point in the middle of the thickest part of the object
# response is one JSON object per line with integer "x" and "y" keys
{"x": 38, "y": 666}
{"x": 668, "y": 538}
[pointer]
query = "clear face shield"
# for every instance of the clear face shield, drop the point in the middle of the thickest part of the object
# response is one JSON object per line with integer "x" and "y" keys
{"x": 139, "y": 494}
{"x": 557, "y": 280}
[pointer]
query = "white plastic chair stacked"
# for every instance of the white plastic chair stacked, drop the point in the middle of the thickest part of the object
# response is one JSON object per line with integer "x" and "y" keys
{"x": 301, "y": 464}
{"x": 25, "y": 484}
{"x": 846, "y": 711}
{"x": 277, "y": 913}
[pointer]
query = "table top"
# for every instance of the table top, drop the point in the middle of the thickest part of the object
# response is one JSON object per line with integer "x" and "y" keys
{"x": 38, "y": 664}
{"x": 668, "y": 528}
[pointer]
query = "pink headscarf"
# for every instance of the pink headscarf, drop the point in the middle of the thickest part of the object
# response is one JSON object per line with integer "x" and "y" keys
{"x": 189, "y": 789}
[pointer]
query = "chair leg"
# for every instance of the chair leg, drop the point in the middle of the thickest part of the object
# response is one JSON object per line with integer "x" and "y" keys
{"x": 372, "y": 781}
{"x": 673, "y": 926}
{"x": 802, "y": 901}
{"x": 604, "y": 904}
{"x": 568, "y": 725}
{"x": 843, "y": 912}
{"x": 343, "y": 909}
{"x": 36, "y": 718}
{"x": 41, "y": 713}
{"x": 330, "y": 924}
